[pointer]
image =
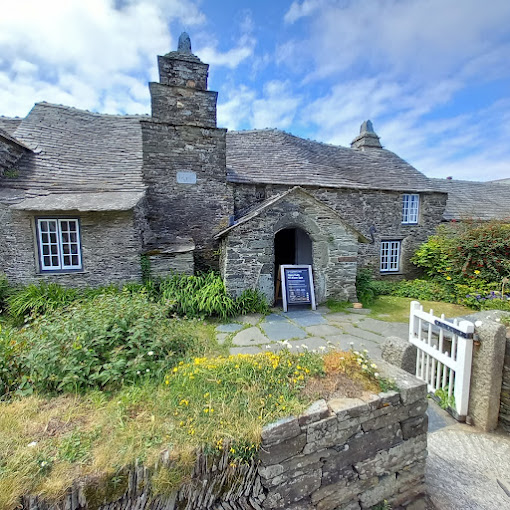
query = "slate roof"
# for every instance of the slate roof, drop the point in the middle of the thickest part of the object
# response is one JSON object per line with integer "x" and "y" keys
{"x": 9, "y": 124}
{"x": 78, "y": 151}
{"x": 104, "y": 201}
{"x": 259, "y": 208}
{"x": 476, "y": 200}
{"x": 271, "y": 156}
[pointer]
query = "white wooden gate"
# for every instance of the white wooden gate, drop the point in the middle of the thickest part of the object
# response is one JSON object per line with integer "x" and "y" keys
{"x": 445, "y": 353}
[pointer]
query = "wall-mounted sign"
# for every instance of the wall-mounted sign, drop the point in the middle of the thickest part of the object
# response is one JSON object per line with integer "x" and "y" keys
{"x": 186, "y": 177}
{"x": 297, "y": 286}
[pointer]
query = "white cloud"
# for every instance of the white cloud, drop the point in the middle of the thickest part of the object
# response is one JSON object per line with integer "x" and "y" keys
{"x": 412, "y": 38}
{"x": 302, "y": 9}
{"x": 244, "y": 48}
{"x": 236, "y": 110}
{"x": 87, "y": 54}
{"x": 277, "y": 106}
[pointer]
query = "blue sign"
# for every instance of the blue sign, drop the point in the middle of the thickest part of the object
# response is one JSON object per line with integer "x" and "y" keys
{"x": 297, "y": 286}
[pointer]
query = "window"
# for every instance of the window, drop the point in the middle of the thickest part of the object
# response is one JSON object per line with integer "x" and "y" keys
{"x": 410, "y": 206}
{"x": 59, "y": 244}
{"x": 390, "y": 256}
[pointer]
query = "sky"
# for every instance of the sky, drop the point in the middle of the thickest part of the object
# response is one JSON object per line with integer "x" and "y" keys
{"x": 432, "y": 75}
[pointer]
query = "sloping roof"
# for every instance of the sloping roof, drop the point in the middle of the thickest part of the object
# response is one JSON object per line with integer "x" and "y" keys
{"x": 79, "y": 151}
{"x": 105, "y": 201}
{"x": 476, "y": 200}
{"x": 9, "y": 124}
{"x": 274, "y": 157}
{"x": 258, "y": 209}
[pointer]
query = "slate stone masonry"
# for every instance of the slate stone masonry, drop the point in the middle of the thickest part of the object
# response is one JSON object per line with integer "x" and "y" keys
{"x": 345, "y": 454}
{"x": 348, "y": 453}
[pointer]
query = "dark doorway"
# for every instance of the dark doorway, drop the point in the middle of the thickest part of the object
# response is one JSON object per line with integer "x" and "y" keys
{"x": 292, "y": 246}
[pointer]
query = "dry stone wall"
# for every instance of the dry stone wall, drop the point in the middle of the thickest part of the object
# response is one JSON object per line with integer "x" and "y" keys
{"x": 345, "y": 454}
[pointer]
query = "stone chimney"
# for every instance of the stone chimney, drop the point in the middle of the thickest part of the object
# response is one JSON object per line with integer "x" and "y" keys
{"x": 181, "y": 96}
{"x": 367, "y": 138}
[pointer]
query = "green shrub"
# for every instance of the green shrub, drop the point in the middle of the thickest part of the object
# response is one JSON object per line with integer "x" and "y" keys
{"x": 205, "y": 295}
{"x": 365, "y": 286}
{"x": 39, "y": 299}
{"x": 467, "y": 252}
{"x": 251, "y": 301}
{"x": 423, "y": 289}
{"x": 13, "y": 369}
{"x": 5, "y": 290}
{"x": 104, "y": 342}
{"x": 383, "y": 288}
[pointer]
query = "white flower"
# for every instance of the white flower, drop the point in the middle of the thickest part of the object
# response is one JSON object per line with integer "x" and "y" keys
{"x": 305, "y": 347}
{"x": 151, "y": 353}
{"x": 32, "y": 444}
{"x": 322, "y": 348}
{"x": 138, "y": 372}
{"x": 148, "y": 370}
{"x": 376, "y": 374}
{"x": 351, "y": 343}
{"x": 268, "y": 346}
{"x": 373, "y": 365}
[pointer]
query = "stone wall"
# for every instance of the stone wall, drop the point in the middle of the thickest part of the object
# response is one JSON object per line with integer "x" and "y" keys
{"x": 10, "y": 153}
{"x": 347, "y": 454}
{"x": 110, "y": 244}
{"x": 504, "y": 413}
{"x": 200, "y": 208}
{"x": 248, "y": 259}
{"x": 363, "y": 209}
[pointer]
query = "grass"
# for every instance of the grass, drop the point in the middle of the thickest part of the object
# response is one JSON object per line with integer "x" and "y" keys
{"x": 217, "y": 404}
{"x": 396, "y": 309}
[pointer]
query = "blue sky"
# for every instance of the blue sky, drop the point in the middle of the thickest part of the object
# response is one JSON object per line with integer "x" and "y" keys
{"x": 432, "y": 75}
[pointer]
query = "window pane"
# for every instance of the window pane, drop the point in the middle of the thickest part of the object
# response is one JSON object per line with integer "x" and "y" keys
{"x": 54, "y": 261}
{"x": 67, "y": 260}
{"x": 53, "y": 226}
{"x": 63, "y": 225}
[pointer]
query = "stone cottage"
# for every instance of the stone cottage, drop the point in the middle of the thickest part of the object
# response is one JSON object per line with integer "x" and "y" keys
{"x": 83, "y": 196}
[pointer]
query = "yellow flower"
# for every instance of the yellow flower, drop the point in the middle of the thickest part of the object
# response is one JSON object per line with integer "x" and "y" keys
{"x": 476, "y": 271}
{"x": 448, "y": 277}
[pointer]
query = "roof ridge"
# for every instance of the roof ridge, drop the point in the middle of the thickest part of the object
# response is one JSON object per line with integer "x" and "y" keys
{"x": 96, "y": 114}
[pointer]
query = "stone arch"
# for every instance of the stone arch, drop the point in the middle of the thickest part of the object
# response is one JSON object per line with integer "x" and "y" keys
{"x": 320, "y": 255}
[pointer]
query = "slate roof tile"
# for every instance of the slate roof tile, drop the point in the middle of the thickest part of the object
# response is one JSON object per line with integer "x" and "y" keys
{"x": 476, "y": 200}
{"x": 271, "y": 156}
{"x": 76, "y": 150}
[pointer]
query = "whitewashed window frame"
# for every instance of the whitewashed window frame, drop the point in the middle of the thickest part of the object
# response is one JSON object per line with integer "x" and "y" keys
{"x": 410, "y": 208}
{"x": 59, "y": 243}
{"x": 390, "y": 256}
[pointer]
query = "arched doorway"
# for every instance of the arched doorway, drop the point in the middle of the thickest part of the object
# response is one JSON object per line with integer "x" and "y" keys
{"x": 292, "y": 246}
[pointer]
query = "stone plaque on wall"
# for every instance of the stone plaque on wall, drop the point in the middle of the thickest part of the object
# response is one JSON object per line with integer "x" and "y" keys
{"x": 186, "y": 177}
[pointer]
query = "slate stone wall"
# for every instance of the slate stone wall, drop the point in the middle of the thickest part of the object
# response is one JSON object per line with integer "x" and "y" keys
{"x": 348, "y": 453}
{"x": 248, "y": 258}
{"x": 182, "y": 105}
{"x": 110, "y": 244}
{"x": 364, "y": 209}
{"x": 345, "y": 454}
{"x": 199, "y": 209}
{"x": 182, "y": 71}
{"x": 504, "y": 413}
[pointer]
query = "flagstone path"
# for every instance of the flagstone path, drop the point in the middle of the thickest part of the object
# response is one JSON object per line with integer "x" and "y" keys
{"x": 308, "y": 329}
